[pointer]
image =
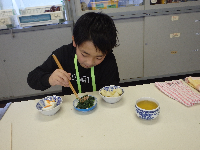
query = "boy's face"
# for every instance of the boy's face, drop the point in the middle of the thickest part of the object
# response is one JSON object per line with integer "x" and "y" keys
{"x": 87, "y": 54}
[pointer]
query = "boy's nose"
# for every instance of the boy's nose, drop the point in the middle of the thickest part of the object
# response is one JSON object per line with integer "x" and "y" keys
{"x": 90, "y": 62}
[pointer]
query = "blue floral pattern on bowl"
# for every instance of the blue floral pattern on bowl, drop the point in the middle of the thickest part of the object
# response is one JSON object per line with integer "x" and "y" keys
{"x": 111, "y": 88}
{"x": 41, "y": 103}
{"x": 147, "y": 114}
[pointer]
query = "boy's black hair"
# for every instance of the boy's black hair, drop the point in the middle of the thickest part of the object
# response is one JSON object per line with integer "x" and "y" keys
{"x": 98, "y": 28}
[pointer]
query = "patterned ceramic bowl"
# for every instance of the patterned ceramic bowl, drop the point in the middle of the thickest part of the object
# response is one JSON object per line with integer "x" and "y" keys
{"x": 75, "y": 103}
{"x": 147, "y": 114}
{"x": 110, "y": 89}
{"x": 52, "y": 111}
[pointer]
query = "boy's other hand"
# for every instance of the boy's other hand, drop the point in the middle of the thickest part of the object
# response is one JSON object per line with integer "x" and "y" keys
{"x": 60, "y": 77}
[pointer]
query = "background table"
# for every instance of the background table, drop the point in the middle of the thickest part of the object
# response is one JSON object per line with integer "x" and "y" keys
{"x": 108, "y": 126}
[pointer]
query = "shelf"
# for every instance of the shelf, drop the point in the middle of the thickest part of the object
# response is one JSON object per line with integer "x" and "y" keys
{"x": 155, "y": 12}
{"x": 142, "y": 11}
{"x": 170, "y": 5}
{"x": 36, "y": 28}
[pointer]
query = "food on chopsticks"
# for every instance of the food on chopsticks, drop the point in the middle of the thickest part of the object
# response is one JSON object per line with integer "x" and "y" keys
{"x": 147, "y": 105}
{"x": 85, "y": 102}
{"x": 113, "y": 93}
{"x": 49, "y": 104}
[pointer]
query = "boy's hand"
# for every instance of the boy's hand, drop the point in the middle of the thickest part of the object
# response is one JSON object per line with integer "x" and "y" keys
{"x": 59, "y": 77}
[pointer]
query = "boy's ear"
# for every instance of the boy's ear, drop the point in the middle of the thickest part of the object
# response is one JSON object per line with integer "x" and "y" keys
{"x": 74, "y": 44}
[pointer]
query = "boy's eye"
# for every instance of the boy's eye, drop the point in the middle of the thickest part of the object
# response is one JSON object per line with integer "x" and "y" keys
{"x": 99, "y": 58}
{"x": 83, "y": 55}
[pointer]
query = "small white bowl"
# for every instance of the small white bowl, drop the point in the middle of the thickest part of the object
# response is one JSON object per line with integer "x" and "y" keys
{"x": 111, "y": 100}
{"x": 147, "y": 114}
{"x": 52, "y": 111}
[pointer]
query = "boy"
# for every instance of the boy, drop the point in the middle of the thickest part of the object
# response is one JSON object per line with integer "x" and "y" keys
{"x": 88, "y": 62}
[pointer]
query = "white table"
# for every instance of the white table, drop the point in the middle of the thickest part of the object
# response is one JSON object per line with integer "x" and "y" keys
{"x": 109, "y": 126}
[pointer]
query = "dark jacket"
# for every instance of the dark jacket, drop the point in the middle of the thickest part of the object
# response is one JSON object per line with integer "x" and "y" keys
{"x": 106, "y": 73}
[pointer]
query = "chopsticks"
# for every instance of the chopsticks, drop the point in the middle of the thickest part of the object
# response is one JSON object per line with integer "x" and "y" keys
{"x": 60, "y": 67}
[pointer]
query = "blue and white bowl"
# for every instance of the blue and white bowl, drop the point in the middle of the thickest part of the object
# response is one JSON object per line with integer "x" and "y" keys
{"x": 52, "y": 111}
{"x": 111, "y": 100}
{"x": 147, "y": 114}
{"x": 75, "y": 103}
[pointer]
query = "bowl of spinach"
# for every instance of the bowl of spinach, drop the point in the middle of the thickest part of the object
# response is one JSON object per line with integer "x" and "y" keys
{"x": 87, "y": 103}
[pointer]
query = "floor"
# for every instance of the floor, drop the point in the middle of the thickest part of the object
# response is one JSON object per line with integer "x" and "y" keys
{"x": 126, "y": 84}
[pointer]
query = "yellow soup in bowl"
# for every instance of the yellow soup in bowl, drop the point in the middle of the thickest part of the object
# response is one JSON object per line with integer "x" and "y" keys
{"x": 147, "y": 108}
{"x": 147, "y": 105}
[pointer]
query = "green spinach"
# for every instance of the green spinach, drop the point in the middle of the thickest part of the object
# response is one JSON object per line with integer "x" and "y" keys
{"x": 87, "y": 103}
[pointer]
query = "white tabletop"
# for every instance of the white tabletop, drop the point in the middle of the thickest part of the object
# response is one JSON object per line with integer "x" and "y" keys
{"x": 108, "y": 126}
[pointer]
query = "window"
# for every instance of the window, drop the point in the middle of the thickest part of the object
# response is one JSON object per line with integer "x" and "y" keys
{"x": 35, "y": 3}
{"x": 31, "y": 13}
{"x": 8, "y": 4}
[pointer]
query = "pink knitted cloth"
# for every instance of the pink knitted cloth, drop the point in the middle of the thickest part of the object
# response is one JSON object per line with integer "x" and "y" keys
{"x": 178, "y": 91}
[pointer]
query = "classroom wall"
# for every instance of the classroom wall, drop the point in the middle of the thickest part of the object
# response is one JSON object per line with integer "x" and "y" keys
{"x": 179, "y": 53}
{"x": 145, "y": 50}
{"x": 23, "y": 53}
{"x": 129, "y": 54}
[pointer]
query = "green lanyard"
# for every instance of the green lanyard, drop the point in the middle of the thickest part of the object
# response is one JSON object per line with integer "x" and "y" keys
{"x": 78, "y": 77}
